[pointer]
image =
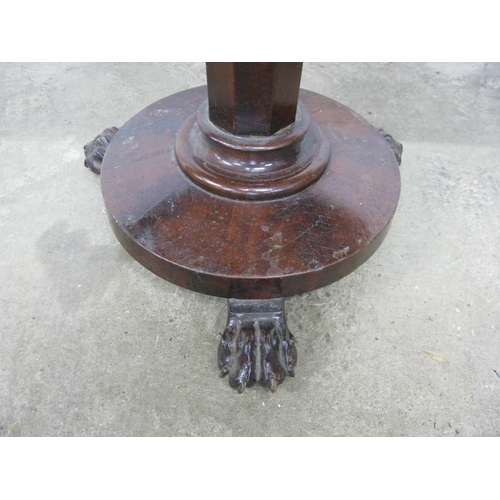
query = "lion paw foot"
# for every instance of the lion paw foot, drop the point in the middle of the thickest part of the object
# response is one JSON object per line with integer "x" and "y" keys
{"x": 396, "y": 147}
{"x": 96, "y": 149}
{"x": 256, "y": 345}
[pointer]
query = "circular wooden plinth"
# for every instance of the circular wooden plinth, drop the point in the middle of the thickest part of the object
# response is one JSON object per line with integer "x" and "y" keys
{"x": 249, "y": 249}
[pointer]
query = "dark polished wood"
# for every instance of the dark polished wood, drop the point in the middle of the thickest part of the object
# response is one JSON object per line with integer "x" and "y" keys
{"x": 218, "y": 244}
{"x": 250, "y": 167}
{"x": 253, "y": 98}
{"x": 96, "y": 149}
{"x": 242, "y": 190}
{"x": 256, "y": 345}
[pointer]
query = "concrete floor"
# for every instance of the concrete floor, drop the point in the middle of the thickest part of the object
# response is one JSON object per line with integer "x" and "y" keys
{"x": 93, "y": 344}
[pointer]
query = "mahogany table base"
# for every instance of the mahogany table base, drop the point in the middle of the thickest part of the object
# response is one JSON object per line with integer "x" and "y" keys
{"x": 252, "y": 219}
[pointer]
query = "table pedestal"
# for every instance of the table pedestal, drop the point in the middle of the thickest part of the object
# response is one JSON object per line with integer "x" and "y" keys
{"x": 253, "y": 191}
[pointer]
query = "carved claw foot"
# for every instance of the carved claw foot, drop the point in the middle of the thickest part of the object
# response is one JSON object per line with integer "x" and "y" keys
{"x": 397, "y": 147}
{"x": 256, "y": 345}
{"x": 96, "y": 149}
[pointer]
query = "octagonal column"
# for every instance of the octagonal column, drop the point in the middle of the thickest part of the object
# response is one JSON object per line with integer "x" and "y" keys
{"x": 253, "y": 98}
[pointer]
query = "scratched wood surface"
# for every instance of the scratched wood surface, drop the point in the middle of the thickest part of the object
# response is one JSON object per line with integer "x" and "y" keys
{"x": 249, "y": 249}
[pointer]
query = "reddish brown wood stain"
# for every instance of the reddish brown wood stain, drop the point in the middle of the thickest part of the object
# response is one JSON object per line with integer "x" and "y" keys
{"x": 253, "y": 98}
{"x": 254, "y": 249}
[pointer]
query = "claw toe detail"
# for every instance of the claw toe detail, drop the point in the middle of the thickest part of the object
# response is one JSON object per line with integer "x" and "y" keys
{"x": 256, "y": 345}
{"x": 96, "y": 149}
{"x": 396, "y": 147}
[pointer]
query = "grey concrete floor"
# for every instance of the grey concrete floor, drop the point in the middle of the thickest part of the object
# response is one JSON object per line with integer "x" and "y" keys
{"x": 93, "y": 344}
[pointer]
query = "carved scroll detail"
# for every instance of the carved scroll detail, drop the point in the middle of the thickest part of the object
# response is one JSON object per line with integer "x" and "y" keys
{"x": 96, "y": 149}
{"x": 256, "y": 345}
